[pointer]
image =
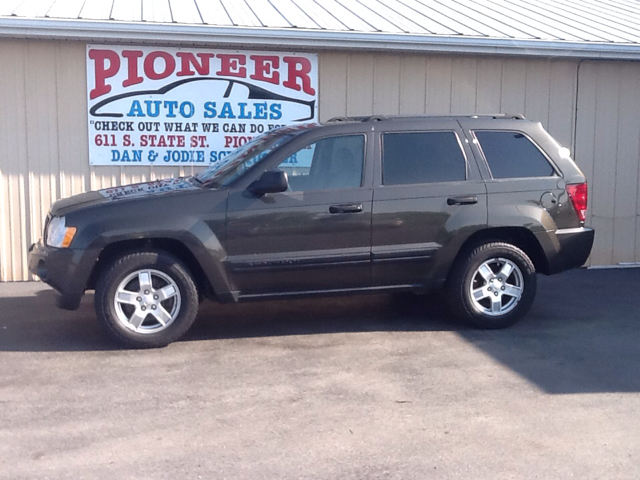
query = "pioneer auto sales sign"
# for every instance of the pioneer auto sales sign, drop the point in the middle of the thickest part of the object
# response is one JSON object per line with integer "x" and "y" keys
{"x": 171, "y": 106}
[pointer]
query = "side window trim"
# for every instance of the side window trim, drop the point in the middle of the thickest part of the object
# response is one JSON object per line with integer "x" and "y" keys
{"x": 435, "y": 130}
{"x": 551, "y": 163}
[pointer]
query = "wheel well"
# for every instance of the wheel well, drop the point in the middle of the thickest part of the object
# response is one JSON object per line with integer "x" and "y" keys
{"x": 522, "y": 238}
{"x": 169, "y": 245}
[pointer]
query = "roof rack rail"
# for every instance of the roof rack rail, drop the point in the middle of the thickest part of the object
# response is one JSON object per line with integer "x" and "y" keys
{"x": 358, "y": 118}
{"x": 380, "y": 118}
{"x": 514, "y": 116}
{"x": 367, "y": 118}
{"x": 337, "y": 120}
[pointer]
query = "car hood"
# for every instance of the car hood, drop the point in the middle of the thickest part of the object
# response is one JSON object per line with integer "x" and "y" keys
{"x": 123, "y": 193}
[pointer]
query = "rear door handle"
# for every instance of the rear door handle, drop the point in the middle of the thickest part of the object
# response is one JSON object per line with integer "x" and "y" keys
{"x": 462, "y": 200}
{"x": 346, "y": 208}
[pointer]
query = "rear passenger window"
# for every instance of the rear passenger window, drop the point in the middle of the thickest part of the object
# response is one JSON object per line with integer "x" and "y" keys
{"x": 513, "y": 155}
{"x": 422, "y": 157}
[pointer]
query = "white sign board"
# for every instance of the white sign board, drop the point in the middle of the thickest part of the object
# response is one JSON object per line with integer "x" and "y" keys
{"x": 177, "y": 106}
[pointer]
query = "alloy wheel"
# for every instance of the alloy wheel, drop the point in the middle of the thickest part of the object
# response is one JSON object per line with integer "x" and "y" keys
{"x": 147, "y": 301}
{"x": 496, "y": 287}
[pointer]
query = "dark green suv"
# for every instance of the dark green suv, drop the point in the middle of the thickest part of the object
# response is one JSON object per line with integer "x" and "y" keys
{"x": 472, "y": 204}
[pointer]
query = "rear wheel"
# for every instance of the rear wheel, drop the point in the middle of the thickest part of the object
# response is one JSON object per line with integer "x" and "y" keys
{"x": 493, "y": 286}
{"x": 146, "y": 299}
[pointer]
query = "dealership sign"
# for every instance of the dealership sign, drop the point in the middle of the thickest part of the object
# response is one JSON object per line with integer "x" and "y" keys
{"x": 176, "y": 106}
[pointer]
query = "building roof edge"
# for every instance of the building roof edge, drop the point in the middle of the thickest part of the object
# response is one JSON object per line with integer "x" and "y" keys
{"x": 304, "y": 40}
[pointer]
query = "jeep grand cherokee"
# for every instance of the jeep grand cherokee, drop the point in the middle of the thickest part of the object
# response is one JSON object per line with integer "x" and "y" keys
{"x": 475, "y": 205}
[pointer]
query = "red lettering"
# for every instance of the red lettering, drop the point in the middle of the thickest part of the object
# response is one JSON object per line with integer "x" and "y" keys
{"x": 266, "y": 68}
{"x": 235, "y": 141}
{"x": 132, "y": 57}
{"x": 100, "y": 58}
{"x": 298, "y": 68}
{"x": 150, "y": 63}
{"x": 198, "y": 141}
{"x": 188, "y": 60}
{"x": 229, "y": 65}
{"x": 162, "y": 140}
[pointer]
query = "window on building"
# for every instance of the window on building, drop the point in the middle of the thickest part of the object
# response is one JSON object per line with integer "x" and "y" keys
{"x": 513, "y": 155}
{"x": 422, "y": 157}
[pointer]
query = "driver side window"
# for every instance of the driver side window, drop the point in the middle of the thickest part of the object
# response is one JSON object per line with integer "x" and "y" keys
{"x": 329, "y": 163}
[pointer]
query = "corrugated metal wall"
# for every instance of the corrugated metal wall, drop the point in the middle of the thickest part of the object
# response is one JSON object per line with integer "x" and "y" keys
{"x": 608, "y": 149}
{"x": 44, "y": 144}
{"x": 544, "y": 90}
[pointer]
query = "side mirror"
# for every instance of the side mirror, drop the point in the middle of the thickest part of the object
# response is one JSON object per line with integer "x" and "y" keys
{"x": 272, "y": 181}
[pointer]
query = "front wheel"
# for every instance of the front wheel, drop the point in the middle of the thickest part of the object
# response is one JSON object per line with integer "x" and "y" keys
{"x": 146, "y": 299}
{"x": 493, "y": 286}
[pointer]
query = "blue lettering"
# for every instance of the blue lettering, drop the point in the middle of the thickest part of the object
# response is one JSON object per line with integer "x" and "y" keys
{"x": 187, "y": 109}
{"x": 136, "y": 109}
{"x": 210, "y": 110}
{"x": 126, "y": 156}
{"x": 214, "y": 156}
{"x": 276, "y": 111}
{"x": 227, "y": 111}
{"x": 243, "y": 114}
{"x": 261, "y": 111}
{"x": 156, "y": 105}
{"x": 170, "y": 105}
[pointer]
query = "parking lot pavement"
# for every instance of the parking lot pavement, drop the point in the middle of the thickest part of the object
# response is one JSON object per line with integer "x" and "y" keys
{"x": 352, "y": 387}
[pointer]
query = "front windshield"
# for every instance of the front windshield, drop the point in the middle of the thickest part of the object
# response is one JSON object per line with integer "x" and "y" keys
{"x": 248, "y": 155}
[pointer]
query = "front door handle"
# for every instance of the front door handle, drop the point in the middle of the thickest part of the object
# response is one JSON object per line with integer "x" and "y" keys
{"x": 346, "y": 208}
{"x": 462, "y": 200}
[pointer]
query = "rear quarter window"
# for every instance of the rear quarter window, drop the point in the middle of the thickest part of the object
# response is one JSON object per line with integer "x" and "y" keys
{"x": 513, "y": 155}
{"x": 422, "y": 157}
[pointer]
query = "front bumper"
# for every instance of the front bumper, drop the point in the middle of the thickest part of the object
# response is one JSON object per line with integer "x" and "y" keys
{"x": 567, "y": 248}
{"x": 62, "y": 269}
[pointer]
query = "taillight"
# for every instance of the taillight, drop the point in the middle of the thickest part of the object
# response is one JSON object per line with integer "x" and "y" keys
{"x": 578, "y": 195}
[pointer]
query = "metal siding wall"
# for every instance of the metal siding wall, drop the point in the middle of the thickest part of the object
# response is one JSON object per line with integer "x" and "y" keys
{"x": 413, "y": 85}
{"x": 543, "y": 90}
{"x": 608, "y": 149}
{"x": 14, "y": 173}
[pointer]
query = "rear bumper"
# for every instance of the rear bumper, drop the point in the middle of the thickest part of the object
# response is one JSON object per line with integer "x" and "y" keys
{"x": 567, "y": 248}
{"x": 61, "y": 268}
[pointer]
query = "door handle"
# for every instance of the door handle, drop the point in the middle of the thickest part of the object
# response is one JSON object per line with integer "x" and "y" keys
{"x": 346, "y": 208}
{"x": 470, "y": 200}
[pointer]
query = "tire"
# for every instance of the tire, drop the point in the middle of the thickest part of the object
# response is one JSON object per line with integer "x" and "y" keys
{"x": 146, "y": 299}
{"x": 493, "y": 286}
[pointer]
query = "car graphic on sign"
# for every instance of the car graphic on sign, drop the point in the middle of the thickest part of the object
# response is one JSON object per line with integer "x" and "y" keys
{"x": 220, "y": 98}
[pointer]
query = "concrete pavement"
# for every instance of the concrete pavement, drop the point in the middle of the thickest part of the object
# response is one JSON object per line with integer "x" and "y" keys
{"x": 360, "y": 387}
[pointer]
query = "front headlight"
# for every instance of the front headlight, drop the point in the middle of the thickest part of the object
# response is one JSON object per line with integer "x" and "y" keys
{"x": 58, "y": 234}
